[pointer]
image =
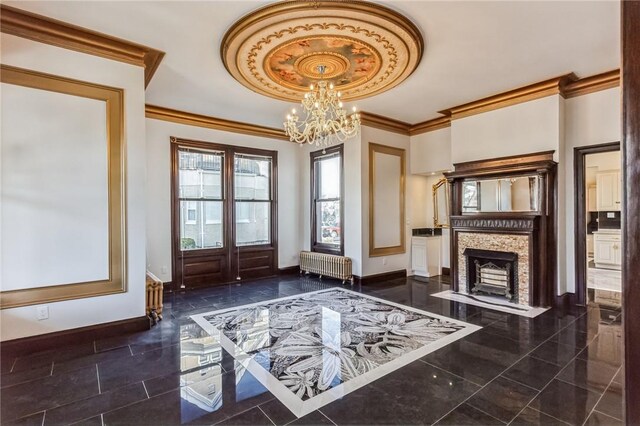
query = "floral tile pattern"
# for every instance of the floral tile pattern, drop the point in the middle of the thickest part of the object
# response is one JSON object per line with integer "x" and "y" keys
{"x": 310, "y": 349}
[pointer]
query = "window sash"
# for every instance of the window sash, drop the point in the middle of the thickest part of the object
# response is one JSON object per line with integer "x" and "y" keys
{"x": 335, "y": 247}
{"x": 218, "y": 158}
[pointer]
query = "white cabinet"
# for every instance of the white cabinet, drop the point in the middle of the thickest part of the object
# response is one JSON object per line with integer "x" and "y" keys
{"x": 608, "y": 190}
{"x": 425, "y": 256}
{"x": 608, "y": 250}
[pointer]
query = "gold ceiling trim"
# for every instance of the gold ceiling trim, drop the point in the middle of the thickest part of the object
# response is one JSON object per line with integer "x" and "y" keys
{"x": 384, "y": 47}
{"x": 596, "y": 83}
{"x": 198, "y": 120}
{"x": 43, "y": 29}
{"x": 574, "y": 88}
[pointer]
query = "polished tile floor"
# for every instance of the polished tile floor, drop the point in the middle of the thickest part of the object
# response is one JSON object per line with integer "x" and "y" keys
{"x": 557, "y": 368}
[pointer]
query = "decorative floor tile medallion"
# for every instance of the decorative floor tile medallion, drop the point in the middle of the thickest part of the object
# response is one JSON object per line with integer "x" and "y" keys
{"x": 314, "y": 348}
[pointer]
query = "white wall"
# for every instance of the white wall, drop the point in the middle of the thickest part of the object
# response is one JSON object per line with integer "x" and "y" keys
{"x": 21, "y": 322}
{"x": 431, "y": 152}
{"x": 591, "y": 119}
{"x": 519, "y": 129}
{"x": 54, "y": 192}
{"x": 158, "y": 163}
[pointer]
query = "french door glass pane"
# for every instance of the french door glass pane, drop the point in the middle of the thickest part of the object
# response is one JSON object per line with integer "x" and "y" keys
{"x": 253, "y": 223}
{"x": 329, "y": 169}
{"x": 200, "y": 175}
{"x": 328, "y": 224}
{"x": 201, "y": 225}
{"x": 252, "y": 178}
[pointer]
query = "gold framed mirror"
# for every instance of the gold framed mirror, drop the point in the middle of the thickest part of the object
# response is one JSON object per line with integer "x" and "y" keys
{"x": 440, "y": 192}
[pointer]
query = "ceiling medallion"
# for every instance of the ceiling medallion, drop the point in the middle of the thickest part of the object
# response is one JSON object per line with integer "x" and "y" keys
{"x": 364, "y": 48}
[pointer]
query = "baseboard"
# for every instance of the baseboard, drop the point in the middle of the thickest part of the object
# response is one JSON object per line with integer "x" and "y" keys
{"x": 385, "y": 276}
{"x": 446, "y": 271}
{"x": 289, "y": 270}
{"x": 41, "y": 342}
{"x": 566, "y": 301}
{"x": 167, "y": 287}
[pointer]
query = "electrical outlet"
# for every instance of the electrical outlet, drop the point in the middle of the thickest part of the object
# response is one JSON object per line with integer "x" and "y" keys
{"x": 163, "y": 270}
{"x": 42, "y": 312}
{"x": 384, "y": 260}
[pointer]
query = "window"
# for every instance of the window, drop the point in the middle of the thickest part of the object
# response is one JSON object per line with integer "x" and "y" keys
{"x": 201, "y": 201}
{"x": 253, "y": 199}
{"x": 326, "y": 206}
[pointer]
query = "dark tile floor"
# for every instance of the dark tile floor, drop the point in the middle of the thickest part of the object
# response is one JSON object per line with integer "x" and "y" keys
{"x": 558, "y": 368}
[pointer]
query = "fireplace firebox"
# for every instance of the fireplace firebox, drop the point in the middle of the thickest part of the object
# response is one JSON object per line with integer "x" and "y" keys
{"x": 492, "y": 272}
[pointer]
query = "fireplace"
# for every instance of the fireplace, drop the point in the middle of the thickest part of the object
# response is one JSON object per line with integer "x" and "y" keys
{"x": 492, "y": 272}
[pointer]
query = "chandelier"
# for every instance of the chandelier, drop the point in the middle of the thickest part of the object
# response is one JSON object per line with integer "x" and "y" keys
{"x": 325, "y": 121}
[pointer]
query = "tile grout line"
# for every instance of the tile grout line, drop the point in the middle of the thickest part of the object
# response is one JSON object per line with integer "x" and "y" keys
{"x": 484, "y": 412}
{"x": 601, "y": 396}
{"x": 546, "y": 414}
{"x": 327, "y": 417}
{"x": 266, "y": 415}
{"x": 43, "y": 416}
{"x": 509, "y": 367}
{"x": 606, "y": 415}
{"x": 131, "y": 350}
{"x": 145, "y": 390}
{"x": 98, "y": 376}
{"x": 13, "y": 365}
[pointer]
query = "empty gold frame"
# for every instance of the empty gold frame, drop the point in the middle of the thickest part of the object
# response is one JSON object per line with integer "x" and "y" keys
{"x": 114, "y": 99}
{"x": 386, "y": 189}
{"x": 441, "y": 204}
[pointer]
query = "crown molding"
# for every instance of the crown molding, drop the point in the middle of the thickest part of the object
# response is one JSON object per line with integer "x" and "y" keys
{"x": 553, "y": 86}
{"x": 384, "y": 123}
{"x": 191, "y": 119}
{"x": 430, "y": 125}
{"x": 43, "y": 29}
{"x": 567, "y": 86}
{"x": 595, "y": 83}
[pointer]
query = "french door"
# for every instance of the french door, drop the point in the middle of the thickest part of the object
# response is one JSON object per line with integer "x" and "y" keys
{"x": 223, "y": 213}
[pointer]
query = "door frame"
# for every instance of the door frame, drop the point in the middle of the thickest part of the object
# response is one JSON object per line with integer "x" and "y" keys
{"x": 580, "y": 213}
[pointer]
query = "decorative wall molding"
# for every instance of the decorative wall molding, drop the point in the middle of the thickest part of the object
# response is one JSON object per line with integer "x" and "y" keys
{"x": 191, "y": 119}
{"x": 43, "y": 29}
{"x": 494, "y": 223}
{"x": 430, "y": 125}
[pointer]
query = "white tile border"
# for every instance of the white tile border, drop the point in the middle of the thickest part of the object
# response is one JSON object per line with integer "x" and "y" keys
{"x": 529, "y": 312}
{"x": 287, "y": 397}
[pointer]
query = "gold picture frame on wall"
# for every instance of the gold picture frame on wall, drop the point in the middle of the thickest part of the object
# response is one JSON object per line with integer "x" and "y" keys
{"x": 117, "y": 264}
{"x": 382, "y": 192}
{"x": 441, "y": 203}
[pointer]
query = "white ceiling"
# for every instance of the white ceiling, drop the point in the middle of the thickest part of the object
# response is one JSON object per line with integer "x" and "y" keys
{"x": 473, "y": 49}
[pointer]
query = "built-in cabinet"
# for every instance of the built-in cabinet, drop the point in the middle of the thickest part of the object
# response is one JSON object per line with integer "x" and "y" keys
{"x": 425, "y": 256}
{"x": 608, "y": 250}
{"x": 609, "y": 189}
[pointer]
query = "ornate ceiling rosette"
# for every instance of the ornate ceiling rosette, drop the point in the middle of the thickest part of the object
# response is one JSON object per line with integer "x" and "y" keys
{"x": 365, "y": 48}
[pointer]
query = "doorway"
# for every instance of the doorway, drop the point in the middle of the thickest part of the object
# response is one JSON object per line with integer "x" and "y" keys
{"x": 223, "y": 213}
{"x": 598, "y": 218}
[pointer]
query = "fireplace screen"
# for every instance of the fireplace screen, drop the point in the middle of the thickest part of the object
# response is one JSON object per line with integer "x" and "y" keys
{"x": 492, "y": 272}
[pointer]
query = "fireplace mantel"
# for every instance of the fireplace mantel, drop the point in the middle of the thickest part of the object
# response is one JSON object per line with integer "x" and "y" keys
{"x": 533, "y": 232}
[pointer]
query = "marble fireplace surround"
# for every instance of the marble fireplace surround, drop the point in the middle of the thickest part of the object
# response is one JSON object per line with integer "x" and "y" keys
{"x": 497, "y": 242}
{"x": 516, "y": 235}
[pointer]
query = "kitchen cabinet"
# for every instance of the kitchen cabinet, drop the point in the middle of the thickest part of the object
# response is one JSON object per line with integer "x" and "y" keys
{"x": 608, "y": 250}
{"x": 425, "y": 256}
{"x": 608, "y": 190}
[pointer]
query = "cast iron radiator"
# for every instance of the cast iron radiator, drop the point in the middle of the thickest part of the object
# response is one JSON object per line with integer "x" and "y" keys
{"x": 326, "y": 264}
{"x": 154, "y": 297}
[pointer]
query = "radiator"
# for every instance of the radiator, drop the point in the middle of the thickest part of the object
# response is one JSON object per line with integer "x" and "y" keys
{"x": 328, "y": 265}
{"x": 154, "y": 296}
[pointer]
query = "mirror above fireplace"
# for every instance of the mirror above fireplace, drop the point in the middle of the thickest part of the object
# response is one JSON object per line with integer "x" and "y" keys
{"x": 508, "y": 194}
